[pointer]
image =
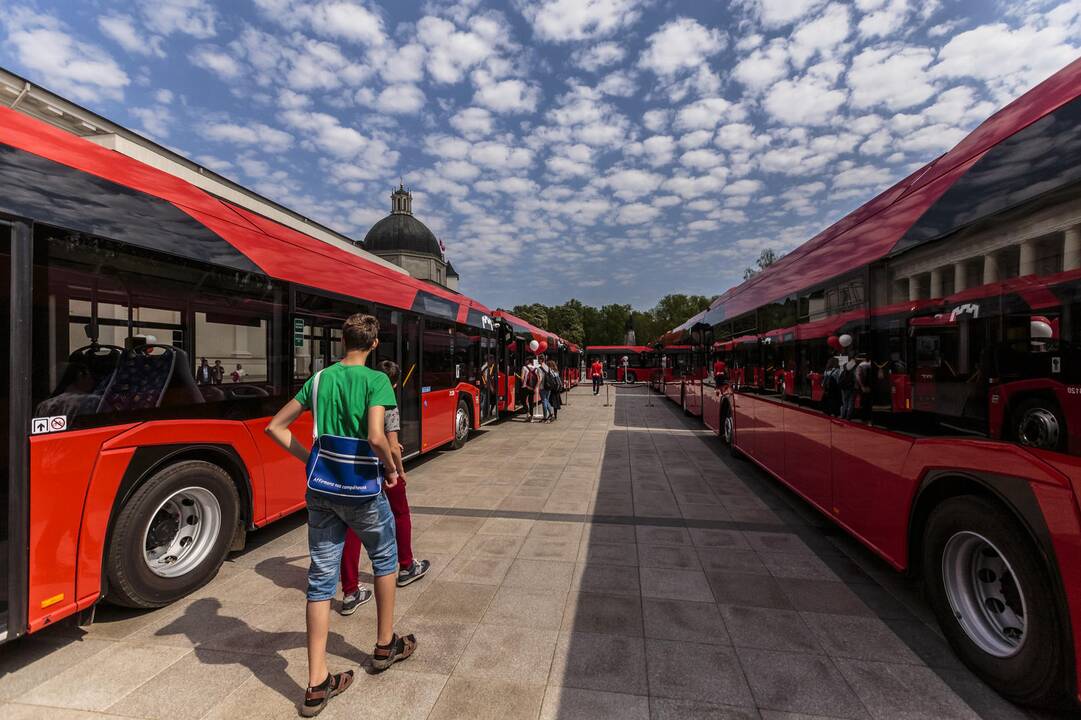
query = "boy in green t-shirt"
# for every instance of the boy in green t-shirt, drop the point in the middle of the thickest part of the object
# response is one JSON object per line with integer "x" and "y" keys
{"x": 352, "y": 402}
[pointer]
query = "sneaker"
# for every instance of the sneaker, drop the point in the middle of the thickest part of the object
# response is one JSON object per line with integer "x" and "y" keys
{"x": 352, "y": 601}
{"x": 414, "y": 572}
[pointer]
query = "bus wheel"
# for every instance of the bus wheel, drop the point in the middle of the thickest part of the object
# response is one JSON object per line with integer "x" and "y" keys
{"x": 631, "y": 377}
{"x": 728, "y": 430}
{"x": 994, "y": 599}
{"x": 172, "y": 535}
{"x": 461, "y": 424}
{"x": 1038, "y": 423}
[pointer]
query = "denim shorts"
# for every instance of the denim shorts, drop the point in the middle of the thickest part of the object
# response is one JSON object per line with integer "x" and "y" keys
{"x": 372, "y": 522}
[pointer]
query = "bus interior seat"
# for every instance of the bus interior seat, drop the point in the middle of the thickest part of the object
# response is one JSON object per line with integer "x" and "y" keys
{"x": 141, "y": 379}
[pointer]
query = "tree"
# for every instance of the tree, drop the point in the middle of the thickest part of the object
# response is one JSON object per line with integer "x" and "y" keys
{"x": 535, "y": 313}
{"x": 766, "y": 258}
{"x": 566, "y": 321}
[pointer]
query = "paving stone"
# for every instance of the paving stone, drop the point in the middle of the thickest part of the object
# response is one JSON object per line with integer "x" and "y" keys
{"x": 509, "y": 654}
{"x": 609, "y": 533}
{"x": 824, "y": 596}
{"x": 673, "y": 709}
{"x": 493, "y": 546}
{"x": 558, "y": 530}
{"x": 695, "y": 671}
{"x": 890, "y": 690}
{"x": 605, "y": 614}
{"x": 608, "y": 553}
{"x": 451, "y": 602}
{"x": 518, "y": 607}
{"x": 600, "y": 662}
{"x": 708, "y": 537}
{"x": 798, "y": 682}
{"x": 768, "y": 629}
{"x": 742, "y": 561}
{"x": 540, "y": 575}
{"x": 439, "y": 644}
{"x": 397, "y": 694}
{"x": 485, "y": 699}
{"x": 675, "y": 584}
{"x": 478, "y": 570}
{"x": 797, "y": 565}
{"x": 746, "y": 589}
{"x": 97, "y": 681}
{"x": 549, "y": 548}
{"x": 29, "y": 661}
{"x": 659, "y": 535}
{"x": 564, "y": 703}
{"x": 674, "y": 557}
{"x": 35, "y": 712}
{"x": 698, "y": 622}
{"x": 611, "y": 579}
{"x": 776, "y": 542}
{"x": 861, "y": 638}
{"x": 506, "y": 526}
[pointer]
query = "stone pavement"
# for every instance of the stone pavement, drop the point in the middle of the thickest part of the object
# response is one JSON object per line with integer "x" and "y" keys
{"x": 615, "y": 564}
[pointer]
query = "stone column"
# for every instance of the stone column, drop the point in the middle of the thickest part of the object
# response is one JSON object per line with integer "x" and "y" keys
{"x": 960, "y": 277}
{"x": 990, "y": 268}
{"x": 913, "y": 288}
{"x": 1027, "y": 266}
{"x": 936, "y": 283}
{"x": 1071, "y": 249}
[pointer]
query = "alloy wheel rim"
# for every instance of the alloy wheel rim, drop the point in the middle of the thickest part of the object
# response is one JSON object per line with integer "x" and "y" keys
{"x": 1039, "y": 428}
{"x": 984, "y": 594}
{"x": 181, "y": 532}
{"x": 461, "y": 424}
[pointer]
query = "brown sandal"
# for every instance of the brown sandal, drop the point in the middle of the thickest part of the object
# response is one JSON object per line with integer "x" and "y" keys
{"x": 316, "y": 698}
{"x": 399, "y": 649}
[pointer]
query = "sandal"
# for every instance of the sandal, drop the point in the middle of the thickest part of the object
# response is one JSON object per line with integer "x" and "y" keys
{"x": 399, "y": 649}
{"x": 316, "y": 698}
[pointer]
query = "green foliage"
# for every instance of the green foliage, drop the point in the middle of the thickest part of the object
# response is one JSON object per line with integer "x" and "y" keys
{"x": 586, "y": 325}
{"x": 766, "y": 258}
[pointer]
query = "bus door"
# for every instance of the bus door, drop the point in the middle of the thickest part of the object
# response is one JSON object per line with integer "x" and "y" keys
{"x": 15, "y": 275}
{"x": 953, "y": 360}
{"x": 410, "y": 383}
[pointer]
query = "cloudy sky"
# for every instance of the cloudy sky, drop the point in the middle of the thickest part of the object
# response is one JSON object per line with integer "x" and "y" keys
{"x": 610, "y": 150}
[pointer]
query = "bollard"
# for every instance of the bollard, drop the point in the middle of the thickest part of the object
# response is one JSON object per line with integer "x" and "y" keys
{"x": 607, "y": 396}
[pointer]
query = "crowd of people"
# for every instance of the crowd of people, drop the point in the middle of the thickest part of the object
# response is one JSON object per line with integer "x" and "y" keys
{"x": 541, "y": 385}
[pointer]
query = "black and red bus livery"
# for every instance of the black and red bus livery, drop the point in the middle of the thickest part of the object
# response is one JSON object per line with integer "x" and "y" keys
{"x": 956, "y": 293}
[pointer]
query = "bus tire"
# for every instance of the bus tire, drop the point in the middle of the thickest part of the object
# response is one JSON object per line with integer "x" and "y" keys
{"x": 1038, "y": 422}
{"x": 631, "y": 377}
{"x": 728, "y": 430}
{"x": 995, "y": 600}
{"x": 172, "y": 535}
{"x": 462, "y": 424}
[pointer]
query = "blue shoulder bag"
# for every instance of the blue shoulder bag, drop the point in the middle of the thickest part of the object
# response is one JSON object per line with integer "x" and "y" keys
{"x": 342, "y": 469}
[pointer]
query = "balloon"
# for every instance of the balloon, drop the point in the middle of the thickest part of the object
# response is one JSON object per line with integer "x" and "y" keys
{"x": 1040, "y": 328}
{"x": 533, "y": 345}
{"x": 834, "y": 342}
{"x": 542, "y": 346}
{"x": 845, "y": 340}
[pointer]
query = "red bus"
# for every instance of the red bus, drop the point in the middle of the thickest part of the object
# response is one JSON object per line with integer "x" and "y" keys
{"x": 641, "y": 361}
{"x": 955, "y": 297}
{"x": 131, "y": 467}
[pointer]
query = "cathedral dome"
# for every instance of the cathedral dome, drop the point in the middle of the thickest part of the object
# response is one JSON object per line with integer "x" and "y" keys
{"x": 400, "y": 231}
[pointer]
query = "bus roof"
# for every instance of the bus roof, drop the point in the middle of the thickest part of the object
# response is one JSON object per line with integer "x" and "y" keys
{"x": 523, "y": 326}
{"x": 264, "y": 245}
{"x": 875, "y": 229}
{"x": 618, "y": 348}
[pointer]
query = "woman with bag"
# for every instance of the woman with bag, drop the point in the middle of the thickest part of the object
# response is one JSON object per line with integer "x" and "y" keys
{"x": 555, "y": 397}
{"x": 530, "y": 386}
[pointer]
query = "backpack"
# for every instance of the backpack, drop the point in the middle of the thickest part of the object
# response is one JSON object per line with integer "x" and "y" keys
{"x": 848, "y": 378}
{"x": 552, "y": 382}
{"x": 531, "y": 379}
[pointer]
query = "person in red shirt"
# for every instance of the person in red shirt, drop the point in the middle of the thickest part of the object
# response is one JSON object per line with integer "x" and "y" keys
{"x": 719, "y": 372}
{"x": 596, "y": 371}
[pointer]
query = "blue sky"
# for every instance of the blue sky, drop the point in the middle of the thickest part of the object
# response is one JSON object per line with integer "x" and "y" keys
{"x": 609, "y": 150}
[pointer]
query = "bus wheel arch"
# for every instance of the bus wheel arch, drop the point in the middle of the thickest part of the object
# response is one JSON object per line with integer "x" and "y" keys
{"x": 172, "y": 533}
{"x": 961, "y": 521}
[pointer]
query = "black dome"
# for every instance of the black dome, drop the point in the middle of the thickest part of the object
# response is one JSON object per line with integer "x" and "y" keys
{"x": 400, "y": 231}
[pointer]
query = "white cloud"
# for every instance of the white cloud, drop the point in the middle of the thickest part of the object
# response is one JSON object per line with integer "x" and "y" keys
{"x": 501, "y": 156}
{"x": 123, "y": 31}
{"x": 452, "y": 52}
{"x": 216, "y": 61}
{"x": 775, "y": 13}
{"x": 885, "y": 21}
{"x": 763, "y": 67}
{"x": 401, "y": 99}
{"x": 633, "y": 184}
{"x": 892, "y": 76}
{"x": 931, "y": 140}
{"x": 504, "y": 96}
{"x": 155, "y": 120}
{"x": 472, "y": 122}
{"x": 637, "y": 214}
{"x": 371, "y": 156}
{"x": 659, "y": 149}
{"x": 257, "y": 134}
{"x": 82, "y": 71}
{"x": 702, "y": 114}
{"x": 620, "y": 83}
{"x": 805, "y": 101}
{"x": 596, "y": 57}
{"x": 349, "y": 21}
{"x": 740, "y": 136}
{"x": 863, "y": 176}
{"x": 457, "y": 170}
{"x": 743, "y": 187}
{"x": 703, "y": 225}
{"x": 701, "y": 159}
{"x": 197, "y": 18}
{"x": 566, "y": 20}
{"x": 679, "y": 45}
{"x": 404, "y": 64}
{"x": 655, "y": 120}
{"x": 821, "y": 34}
{"x": 688, "y": 187}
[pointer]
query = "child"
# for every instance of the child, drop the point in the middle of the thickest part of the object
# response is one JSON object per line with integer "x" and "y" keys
{"x": 352, "y": 402}
{"x": 410, "y": 570}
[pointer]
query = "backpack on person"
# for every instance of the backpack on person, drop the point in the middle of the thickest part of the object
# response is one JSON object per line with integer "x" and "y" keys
{"x": 847, "y": 380}
{"x": 530, "y": 380}
{"x": 552, "y": 382}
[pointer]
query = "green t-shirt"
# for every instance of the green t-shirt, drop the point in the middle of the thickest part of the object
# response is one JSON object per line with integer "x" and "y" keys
{"x": 345, "y": 394}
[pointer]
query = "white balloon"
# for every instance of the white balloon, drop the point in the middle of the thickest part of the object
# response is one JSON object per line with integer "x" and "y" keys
{"x": 1040, "y": 329}
{"x": 533, "y": 345}
{"x": 845, "y": 340}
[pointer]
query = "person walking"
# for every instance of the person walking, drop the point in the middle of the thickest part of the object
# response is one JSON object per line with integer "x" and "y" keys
{"x": 831, "y": 387}
{"x": 865, "y": 385}
{"x": 596, "y": 372}
{"x": 530, "y": 386}
{"x": 219, "y": 372}
{"x": 409, "y": 570}
{"x": 556, "y": 395}
{"x": 545, "y": 388}
{"x": 203, "y": 374}
{"x": 352, "y": 402}
{"x": 488, "y": 385}
{"x": 239, "y": 373}
{"x": 847, "y": 383}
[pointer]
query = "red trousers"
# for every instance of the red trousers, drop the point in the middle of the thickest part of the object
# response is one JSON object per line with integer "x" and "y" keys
{"x": 403, "y": 530}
